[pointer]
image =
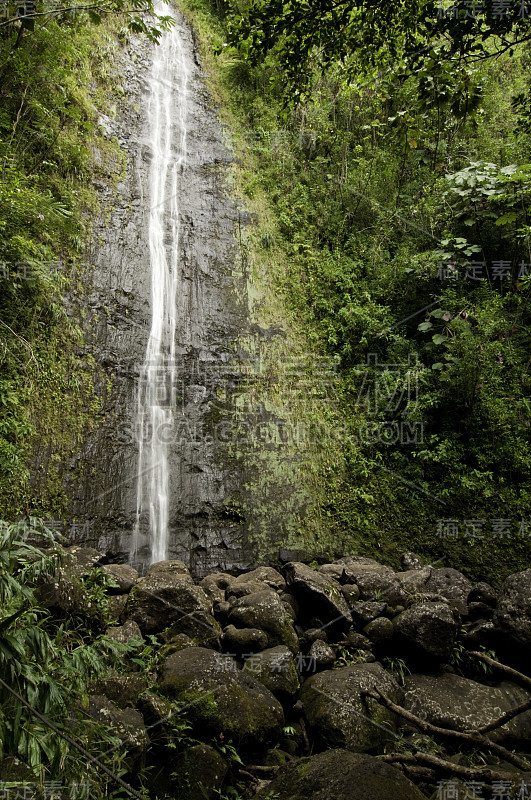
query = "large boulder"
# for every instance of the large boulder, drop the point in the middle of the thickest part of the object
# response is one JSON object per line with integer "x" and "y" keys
{"x": 340, "y": 775}
{"x": 65, "y": 589}
{"x": 265, "y": 611}
{"x": 367, "y": 610}
{"x": 126, "y": 723}
{"x": 221, "y": 698}
{"x": 123, "y": 690}
{"x": 341, "y": 716}
{"x": 513, "y": 610}
{"x": 123, "y": 575}
{"x": 266, "y": 575}
{"x": 124, "y": 633}
{"x": 214, "y": 586}
{"x": 275, "y": 669}
{"x": 199, "y": 772}
{"x": 426, "y": 631}
{"x": 174, "y": 568}
{"x": 166, "y": 596}
{"x": 319, "y": 596}
{"x": 376, "y": 581}
{"x": 244, "y": 640}
{"x": 452, "y": 585}
{"x": 452, "y": 701}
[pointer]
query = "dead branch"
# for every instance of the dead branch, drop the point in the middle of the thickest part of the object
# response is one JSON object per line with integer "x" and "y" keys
{"x": 474, "y": 737}
{"x": 513, "y": 712}
{"x": 261, "y": 768}
{"x": 442, "y": 765}
{"x": 513, "y": 673}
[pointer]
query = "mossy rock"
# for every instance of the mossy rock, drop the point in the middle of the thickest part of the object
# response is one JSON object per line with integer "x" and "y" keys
{"x": 220, "y": 698}
{"x": 199, "y": 773}
{"x": 341, "y": 716}
{"x": 340, "y": 775}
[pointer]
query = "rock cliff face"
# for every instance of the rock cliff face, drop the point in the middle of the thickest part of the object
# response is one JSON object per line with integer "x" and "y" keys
{"x": 215, "y": 499}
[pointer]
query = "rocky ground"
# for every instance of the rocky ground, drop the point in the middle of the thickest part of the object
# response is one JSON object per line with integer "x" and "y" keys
{"x": 332, "y": 681}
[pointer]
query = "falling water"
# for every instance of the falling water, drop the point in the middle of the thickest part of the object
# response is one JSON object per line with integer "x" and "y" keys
{"x": 167, "y": 115}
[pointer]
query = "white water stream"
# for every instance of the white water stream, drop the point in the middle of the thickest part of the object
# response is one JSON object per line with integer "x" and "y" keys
{"x": 167, "y": 114}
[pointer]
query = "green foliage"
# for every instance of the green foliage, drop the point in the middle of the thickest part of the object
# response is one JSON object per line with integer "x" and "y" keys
{"x": 378, "y": 182}
{"x": 45, "y": 661}
{"x": 397, "y": 666}
{"x": 47, "y": 133}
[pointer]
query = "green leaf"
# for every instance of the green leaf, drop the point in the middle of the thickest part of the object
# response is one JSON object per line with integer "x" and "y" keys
{"x": 505, "y": 219}
{"x": 438, "y": 338}
{"x": 425, "y": 326}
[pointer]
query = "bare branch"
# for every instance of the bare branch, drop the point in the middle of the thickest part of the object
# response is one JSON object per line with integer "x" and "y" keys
{"x": 513, "y": 712}
{"x": 513, "y": 673}
{"x": 441, "y": 765}
{"x": 474, "y": 737}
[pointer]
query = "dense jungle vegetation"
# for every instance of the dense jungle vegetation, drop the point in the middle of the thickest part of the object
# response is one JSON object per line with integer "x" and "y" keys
{"x": 389, "y": 145}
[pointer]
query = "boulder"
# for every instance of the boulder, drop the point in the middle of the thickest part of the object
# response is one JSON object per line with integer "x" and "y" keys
{"x": 174, "y": 568}
{"x": 116, "y": 604}
{"x": 311, "y": 635}
{"x": 376, "y": 581}
{"x": 426, "y": 631}
{"x": 64, "y": 590}
{"x": 237, "y": 590}
{"x": 351, "y": 593}
{"x": 379, "y": 631}
{"x": 244, "y": 640}
{"x": 341, "y": 716}
{"x": 513, "y": 610}
{"x": 265, "y": 611}
{"x": 199, "y": 773}
{"x": 275, "y": 669}
{"x": 340, "y": 775}
{"x": 124, "y": 633}
{"x": 204, "y": 629}
{"x": 123, "y": 690}
{"x": 452, "y": 701}
{"x": 267, "y": 575}
{"x": 365, "y": 612}
{"x": 452, "y": 585}
{"x": 126, "y": 723}
{"x": 123, "y": 575}
{"x": 156, "y": 711}
{"x": 288, "y": 599}
{"x": 165, "y": 597}
{"x": 481, "y": 634}
{"x": 323, "y": 654}
{"x": 410, "y": 583}
{"x": 483, "y": 593}
{"x": 318, "y": 596}
{"x": 334, "y": 571}
{"x": 215, "y": 585}
{"x": 221, "y": 698}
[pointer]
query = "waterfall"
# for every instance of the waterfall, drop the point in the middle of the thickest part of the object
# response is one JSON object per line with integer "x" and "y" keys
{"x": 167, "y": 117}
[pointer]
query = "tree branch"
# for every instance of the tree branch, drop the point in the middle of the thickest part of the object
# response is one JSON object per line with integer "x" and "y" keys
{"x": 513, "y": 673}
{"x": 441, "y": 765}
{"x": 474, "y": 737}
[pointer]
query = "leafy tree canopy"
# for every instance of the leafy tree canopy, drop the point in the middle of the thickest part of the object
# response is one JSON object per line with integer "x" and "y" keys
{"x": 316, "y": 33}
